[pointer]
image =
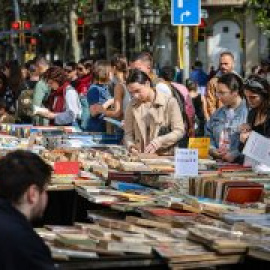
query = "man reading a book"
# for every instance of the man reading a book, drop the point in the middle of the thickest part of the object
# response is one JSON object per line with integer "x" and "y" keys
{"x": 24, "y": 177}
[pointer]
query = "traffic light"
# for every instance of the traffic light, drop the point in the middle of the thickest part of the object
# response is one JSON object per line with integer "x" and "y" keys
{"x": 201, "y": 30}
{"x": 16, "y": 25}
{"x": 80, "y": 29}
{"x": 21, "y": 25}
{"x": 201, "y": 35}
{"x": 26, "y": 25}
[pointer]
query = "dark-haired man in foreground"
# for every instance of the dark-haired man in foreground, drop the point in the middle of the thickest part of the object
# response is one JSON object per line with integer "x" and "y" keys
{"x": 24, "y": 177}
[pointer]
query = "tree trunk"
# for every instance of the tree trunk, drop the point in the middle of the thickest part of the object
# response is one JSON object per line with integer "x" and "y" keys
{"x": 76, "y": 50}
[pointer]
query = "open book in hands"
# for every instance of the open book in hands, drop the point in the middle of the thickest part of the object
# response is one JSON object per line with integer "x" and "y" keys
{"x": 114, "y": 122}
{"x": 39, "y": 110}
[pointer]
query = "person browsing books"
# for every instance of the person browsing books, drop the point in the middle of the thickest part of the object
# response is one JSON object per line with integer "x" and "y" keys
{"x": 257, "y": 93}
{"x": 153, "y": 121}
{"x": 63, "y": 103}
{"x": 222, "y": 128}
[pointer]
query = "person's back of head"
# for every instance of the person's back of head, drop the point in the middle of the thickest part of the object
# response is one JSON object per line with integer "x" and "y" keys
{"x": 191, "y": 85}
{"x": 22, "y": 172}
{"x": 142, "y": 61}
{"x": 42, "y": 64}
{"x": 102, "y": 71}
{"x": 58, "y": 63}
{"x": 119, "y": 63}
{"x": 167, "y": 73}
{"x": 198, "y": 64}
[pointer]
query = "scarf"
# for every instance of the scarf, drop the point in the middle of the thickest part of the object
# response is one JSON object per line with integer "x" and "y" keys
{"x": 83, "y": 84}
{"x": 57, "y": 98}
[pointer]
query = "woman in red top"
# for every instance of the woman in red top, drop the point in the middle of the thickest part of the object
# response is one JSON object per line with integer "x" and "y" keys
{"x": 85, "y": 78}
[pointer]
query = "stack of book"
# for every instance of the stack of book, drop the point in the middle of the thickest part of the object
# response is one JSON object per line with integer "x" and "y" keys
{"x": 220, "y": 240}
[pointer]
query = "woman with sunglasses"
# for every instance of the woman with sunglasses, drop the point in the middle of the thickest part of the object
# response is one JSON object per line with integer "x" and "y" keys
{"x": 257, "y": 93}
{"x": 153, "y": 121}
{"x": 222, "y": 128}
{"x": 71, "y": 71}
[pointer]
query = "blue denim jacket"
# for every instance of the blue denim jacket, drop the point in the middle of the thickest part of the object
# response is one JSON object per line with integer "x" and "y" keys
{"x": 220, "y": 120}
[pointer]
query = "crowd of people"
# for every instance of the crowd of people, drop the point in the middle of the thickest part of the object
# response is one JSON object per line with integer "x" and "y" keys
{"x": 156, "y": 111}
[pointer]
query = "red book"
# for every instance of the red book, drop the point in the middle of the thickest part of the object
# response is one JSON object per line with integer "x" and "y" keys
{"x": 67, "y": 167}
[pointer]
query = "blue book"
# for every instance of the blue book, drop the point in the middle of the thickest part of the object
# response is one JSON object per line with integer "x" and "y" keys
{"x": 113, "y": 122}
{"x": 123, "y": 186}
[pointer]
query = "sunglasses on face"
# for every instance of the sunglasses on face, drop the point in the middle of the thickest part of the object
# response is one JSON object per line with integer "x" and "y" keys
{"x": 79, "y": 68}
{"x": 253, "y": 84}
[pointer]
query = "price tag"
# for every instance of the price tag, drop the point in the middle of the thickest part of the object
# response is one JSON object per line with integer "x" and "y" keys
{"x": 202, "y": 144}
{"x": 186, "y": 162}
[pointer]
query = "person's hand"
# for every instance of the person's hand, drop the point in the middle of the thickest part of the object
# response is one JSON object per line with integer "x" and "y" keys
{"x": 245, "y": 128}
{"x": 244, "y": 136}
{"x": 222, "y": 152}
{"x": 151, "y": 148}
{"x": 228, "y": 157}
{"x": 134, "y": 150}
{"x": 123, "y": 123}
{"x": 218, "y": 153}
{"x": 47, "y": 114}
{"x": 96, "y": 109}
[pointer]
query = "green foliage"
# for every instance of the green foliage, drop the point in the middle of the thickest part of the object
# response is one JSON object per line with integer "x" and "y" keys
{"x": 262, "y": 12}
{"x": 162, "y": 5}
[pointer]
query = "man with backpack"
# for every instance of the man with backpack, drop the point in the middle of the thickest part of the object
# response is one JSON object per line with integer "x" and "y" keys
{"x": 181, "y": 94}
{"x": 41, "y": 91}
{"x": 144, "y": 62}
{"x": 24, "y": 112}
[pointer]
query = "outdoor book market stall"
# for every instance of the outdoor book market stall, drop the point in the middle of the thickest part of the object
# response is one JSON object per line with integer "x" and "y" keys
{"x": 109, "y": 209}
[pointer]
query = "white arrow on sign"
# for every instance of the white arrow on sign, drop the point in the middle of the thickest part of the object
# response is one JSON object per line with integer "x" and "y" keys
{"x": 186, "y": 13}
{"x": 180, "y": 3}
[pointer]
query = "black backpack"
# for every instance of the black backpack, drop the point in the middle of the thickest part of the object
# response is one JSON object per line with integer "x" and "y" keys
{"x": 25, "y": 104}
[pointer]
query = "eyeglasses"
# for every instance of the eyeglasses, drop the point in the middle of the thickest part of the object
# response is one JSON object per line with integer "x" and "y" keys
{"x": 250, "y": 83}
{"x": 79, "y": 68}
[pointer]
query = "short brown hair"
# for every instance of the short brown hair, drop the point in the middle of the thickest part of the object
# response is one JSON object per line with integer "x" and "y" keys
{"x": 101, "y": 72}
{"x": 56, "y": 74}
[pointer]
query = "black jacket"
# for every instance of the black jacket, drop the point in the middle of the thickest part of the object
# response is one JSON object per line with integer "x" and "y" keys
{"x": 20, "y": 246}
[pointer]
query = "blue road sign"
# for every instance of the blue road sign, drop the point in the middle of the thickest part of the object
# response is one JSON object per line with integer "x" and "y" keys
{"x": 186, "y": 12}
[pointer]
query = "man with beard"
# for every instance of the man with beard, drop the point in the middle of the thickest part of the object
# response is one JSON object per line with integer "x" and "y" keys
{"x": 226, "y": 65}
{"x": 24, "y": 177}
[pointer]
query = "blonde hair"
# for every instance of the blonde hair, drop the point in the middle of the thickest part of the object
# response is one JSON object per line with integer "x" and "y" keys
{"x": 101, "y": 71}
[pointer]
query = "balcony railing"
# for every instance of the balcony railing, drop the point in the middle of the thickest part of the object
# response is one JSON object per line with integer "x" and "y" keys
{"x": 223, "y": 2}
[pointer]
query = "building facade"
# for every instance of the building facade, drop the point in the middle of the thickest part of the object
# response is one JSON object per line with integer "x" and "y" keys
{"x": 228, "y": 26}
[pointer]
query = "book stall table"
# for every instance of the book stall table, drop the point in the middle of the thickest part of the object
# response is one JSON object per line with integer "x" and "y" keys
{"x": 111, "y": 210}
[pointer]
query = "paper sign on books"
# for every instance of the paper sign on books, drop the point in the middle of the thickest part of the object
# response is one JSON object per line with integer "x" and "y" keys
{"x": 258, "y": 148}
{"x": 67, "y": 167}
{"x": 186, "y": 162}
{"x": 202, "y": 144}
